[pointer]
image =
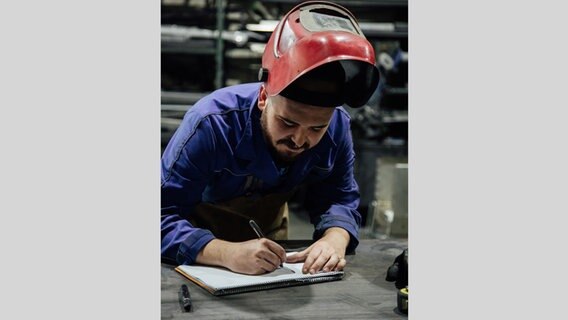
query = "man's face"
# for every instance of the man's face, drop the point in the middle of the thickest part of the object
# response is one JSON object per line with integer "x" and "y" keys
{"x": 291, "y": 127}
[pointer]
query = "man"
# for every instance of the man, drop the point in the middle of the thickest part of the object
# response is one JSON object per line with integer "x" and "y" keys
{"x": 241, "y": 152}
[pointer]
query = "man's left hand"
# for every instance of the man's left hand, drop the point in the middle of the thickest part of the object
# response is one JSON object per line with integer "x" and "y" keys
{"x": 326, "y": 254}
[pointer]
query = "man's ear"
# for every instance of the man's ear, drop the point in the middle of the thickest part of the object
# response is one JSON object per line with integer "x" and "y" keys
{"x": 262, "y": 98}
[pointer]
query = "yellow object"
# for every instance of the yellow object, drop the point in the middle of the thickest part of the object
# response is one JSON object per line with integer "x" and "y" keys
{"x": 402, "y": 300}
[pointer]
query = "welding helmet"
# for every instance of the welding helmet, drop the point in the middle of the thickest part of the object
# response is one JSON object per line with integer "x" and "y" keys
{"x": 318, "y": 55}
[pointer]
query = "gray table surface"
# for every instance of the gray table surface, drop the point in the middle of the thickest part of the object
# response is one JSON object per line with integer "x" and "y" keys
{"x": 363, "y": 293}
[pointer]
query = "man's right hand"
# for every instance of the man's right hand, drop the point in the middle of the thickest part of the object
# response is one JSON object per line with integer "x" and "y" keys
{"x": 256, "y": 256}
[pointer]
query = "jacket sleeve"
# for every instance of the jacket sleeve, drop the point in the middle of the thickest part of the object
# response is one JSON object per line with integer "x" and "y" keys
{"x": 187, "y": 164}
{"x": 333, "y": 201}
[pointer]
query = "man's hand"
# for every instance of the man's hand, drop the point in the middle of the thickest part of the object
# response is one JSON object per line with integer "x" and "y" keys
{"x": 326, "y": 254}
{"x": 250, "y": 257}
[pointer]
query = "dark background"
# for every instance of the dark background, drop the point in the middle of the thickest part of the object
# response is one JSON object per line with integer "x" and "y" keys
{"x": 194, "y": 62}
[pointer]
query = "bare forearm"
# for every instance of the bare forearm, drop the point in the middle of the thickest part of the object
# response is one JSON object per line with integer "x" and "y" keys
{"x": 338, "y": 237}
{"x": 214, "y": 253}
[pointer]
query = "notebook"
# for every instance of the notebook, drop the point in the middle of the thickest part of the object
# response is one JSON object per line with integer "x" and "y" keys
{"x": 220, "y": 281}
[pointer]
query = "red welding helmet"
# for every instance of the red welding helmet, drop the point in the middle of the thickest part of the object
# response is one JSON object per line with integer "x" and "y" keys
{"x": 318, "y": 55}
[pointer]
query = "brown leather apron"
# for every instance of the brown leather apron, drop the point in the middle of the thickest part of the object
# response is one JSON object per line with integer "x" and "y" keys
{"x": 230, "y": 220}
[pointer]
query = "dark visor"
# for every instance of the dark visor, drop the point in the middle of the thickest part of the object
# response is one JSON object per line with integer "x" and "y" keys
{"x": 336, "y": 83}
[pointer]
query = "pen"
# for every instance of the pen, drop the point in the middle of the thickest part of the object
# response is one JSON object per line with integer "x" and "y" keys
{"x": 185, "y": 298}
{"x": 258, "y": 232}
{"x": 256, "y": 229}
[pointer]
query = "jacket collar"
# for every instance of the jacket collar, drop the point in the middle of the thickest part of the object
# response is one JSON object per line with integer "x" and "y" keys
{"x": 245, "y": 148}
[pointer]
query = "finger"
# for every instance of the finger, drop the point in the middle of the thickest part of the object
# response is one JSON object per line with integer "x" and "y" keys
{"x": 312, "y": 256}
{"x": 298, "y": 256}
{"x": 277, "y": 250}
{"x": 264, "y": 266}
{"x": 340, "y": 265}
{"x": 321, "y": 260}
{"x": 269, "y": 257}
{"x": 331, "y": 263}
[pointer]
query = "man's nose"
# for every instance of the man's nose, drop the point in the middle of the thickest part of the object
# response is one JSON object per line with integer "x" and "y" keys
{"x": 300, "y": 137}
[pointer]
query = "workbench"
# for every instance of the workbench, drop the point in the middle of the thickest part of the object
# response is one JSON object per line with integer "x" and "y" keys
{"x": 363, "y": 292}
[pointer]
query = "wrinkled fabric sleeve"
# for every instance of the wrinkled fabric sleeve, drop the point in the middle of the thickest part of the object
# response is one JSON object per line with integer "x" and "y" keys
{"x": 333, "y": 201}
{"x": 187, "y": 164}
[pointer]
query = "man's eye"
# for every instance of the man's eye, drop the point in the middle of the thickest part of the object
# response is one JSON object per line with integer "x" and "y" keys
{"x": 288, "y": 124}
{"x": 318, "y": 129}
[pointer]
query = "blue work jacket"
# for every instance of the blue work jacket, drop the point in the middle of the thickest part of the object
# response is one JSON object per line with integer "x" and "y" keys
{"x": 219, "y": 153}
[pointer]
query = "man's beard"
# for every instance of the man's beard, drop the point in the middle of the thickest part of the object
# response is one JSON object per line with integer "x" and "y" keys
{"x": 282, "y": 157}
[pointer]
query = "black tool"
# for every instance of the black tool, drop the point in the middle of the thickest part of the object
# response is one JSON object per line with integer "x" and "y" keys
{"x": 398, "y": 273}
{"x": 185, "y": 298}
{"x": 402, "y": 300}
